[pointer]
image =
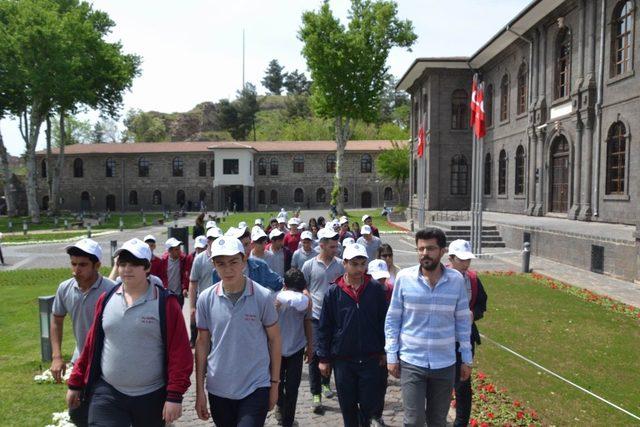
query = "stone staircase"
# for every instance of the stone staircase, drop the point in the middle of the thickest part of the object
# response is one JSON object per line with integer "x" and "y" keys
{"x": 490, "y": 235}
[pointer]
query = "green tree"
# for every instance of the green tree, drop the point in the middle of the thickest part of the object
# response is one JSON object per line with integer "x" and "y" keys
{"x": 394, "y": 165}
{"x": 348, "y": 66}
{"x": 145, "y": 127}
{"x": 239, "y": 117}
{"x": 76, "y": 131}
{"x": 297, "y": 83}
{"x": 274, "y": 78}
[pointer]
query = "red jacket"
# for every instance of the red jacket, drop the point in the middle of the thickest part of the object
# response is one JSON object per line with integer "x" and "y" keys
{"x": 156, "y": 266}
{"x": 292, "y": 241}
{"x": 178, "y": 356}
{"x": 164, "y": 268}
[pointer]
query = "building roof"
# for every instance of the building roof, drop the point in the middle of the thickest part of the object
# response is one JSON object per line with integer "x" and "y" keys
{"x": 420, "y": 64}
{"x": 206, "y": 146}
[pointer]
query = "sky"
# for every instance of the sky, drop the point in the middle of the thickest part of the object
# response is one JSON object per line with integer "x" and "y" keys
{"x": 192, "y": 49}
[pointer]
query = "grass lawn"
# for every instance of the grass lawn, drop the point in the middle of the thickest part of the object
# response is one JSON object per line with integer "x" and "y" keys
{"x": 130, "y": 220}
{"x": 40, "y": 237}
{"x": 587, "y": 344}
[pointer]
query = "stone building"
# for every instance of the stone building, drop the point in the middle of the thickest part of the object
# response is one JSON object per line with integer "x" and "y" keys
{"x": 562, "y": 101}
{"x": 249, "y": 175}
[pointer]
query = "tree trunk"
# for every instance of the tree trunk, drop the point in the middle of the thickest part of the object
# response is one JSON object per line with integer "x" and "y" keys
{"x": 32, "y": 130}
{"x": 6, "y": 180}
{"x": 342, "y": 136}
{"x": 48, "y": 163}
{"x": 58, "y": 168}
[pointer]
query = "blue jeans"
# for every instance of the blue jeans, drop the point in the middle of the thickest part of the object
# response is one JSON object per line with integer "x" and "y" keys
{"x": 250, "y": 411}
{"x": 359, "y": 390}
{"x": 110, "y": 408}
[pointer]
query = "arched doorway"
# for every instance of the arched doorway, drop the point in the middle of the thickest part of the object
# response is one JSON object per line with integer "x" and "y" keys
{"x": 180, "y": 198}
{"x": 559, "y": 175}
{"x": 111, "y": 203}
{"x": 85, "y": 201}
{"x": 366, "y": 199}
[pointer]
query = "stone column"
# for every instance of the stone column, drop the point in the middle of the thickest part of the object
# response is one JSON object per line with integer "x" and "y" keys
{"x": 538, "y": 211}
{"x": 576, "y": 172}
{"x": 533, "y": 142}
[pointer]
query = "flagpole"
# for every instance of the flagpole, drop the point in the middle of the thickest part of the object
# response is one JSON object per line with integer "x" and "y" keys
{"x": 480, "y": 175}
{"x": 473, "y": 163}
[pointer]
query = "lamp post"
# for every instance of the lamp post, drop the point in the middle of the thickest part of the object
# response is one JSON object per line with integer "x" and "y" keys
{"x": 45, "y": 305}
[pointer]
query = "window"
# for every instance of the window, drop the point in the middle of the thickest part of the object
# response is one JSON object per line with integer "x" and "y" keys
{"x": 157, "y": 198}
{"x": 502, "y": 173}
{"x": 563, "y": 64}
{"x": 331, "y": 163}
{"x": 262, "y": 167}
{"x": 43, "y": 168}
{"x": 298, "y": 164}
{"x": 488, "y": 105}
{"x": 262, "y": 199}
{"x": 78, "y": 170}
{"x": 133, "y": 197}
{"x": 459, "y": 175}
{"x": 388, "y": 194}
{"x": 487, "y": 175}
{"x": 365, "y": 163}
{"x": 519, "y": 182}
{"x": 616, "y": 159}
{"x": 345, "y": 195}
{"x": 273, "y": 197}
{"x": 504, "y": 98}
{"x": 202, "y": 168}
{"x": 177, "y": 166}
{"x": 622, "y": 38}
{"x": 143, "y": 167}
{"x": 522, "y": 89}
{"x": 298, "y": 196}
{"x": 180, "y": 198}
{"x": 459, "y": 119}
{"x": 212, "y": 168}
{"x": 110, "y": 202}
{"x": 230, "y": 166}
{"x": 273, "y": 166}
{"x": 110, "y": 168}
{"x": 321, "y": 195}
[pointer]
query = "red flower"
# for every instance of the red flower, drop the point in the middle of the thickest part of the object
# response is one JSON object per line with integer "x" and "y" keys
{"x": 483, "y": 397}
{"x": 517, "y": 403}
{"x": 534, "y": 414}
{"x": 520, "y": 415}
{"x": 474, "y": 422}
{"x": 481, "y": 376}
{"x": 484, "y": 425}
{"x": 490, "y": 415}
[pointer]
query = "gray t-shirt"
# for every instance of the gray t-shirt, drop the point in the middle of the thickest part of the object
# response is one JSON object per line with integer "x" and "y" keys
{"x": 81, "y": 306}
{"x": 371, "y": 247}
{"x": 319, "y": 276}
{"x": 276, "y": 261}
{"x": 173, "y": 276}
{"x": 291, "y": 323}
{"x": 239, "y": 360}
{"x": 201, "y": 271}
{"x": 300, "y": 257}
{"x": 133, "y": 353}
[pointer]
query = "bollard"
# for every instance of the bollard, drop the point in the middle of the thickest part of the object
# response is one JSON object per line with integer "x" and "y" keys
{"x": 412, "y": 225}
{"x": 55, "y": 221}
{"x": 45, "y": 305}
{"x": 144, "y": 220}
{"x": 24, "y": 227}
{"x": 526, "y": 257}
{"x": 10, "y": 226}
{"x": 66, "y": 224}
{"x": 121, "y": 224}
{"x": 89, "y": 231}
{"x": 113, "y": 244}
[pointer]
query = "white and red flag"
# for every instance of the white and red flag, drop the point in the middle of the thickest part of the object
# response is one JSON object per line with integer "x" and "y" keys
{"x": 474, "y": 94}
{"x": 422, "y": 140}
{"x": 478, "y": 121}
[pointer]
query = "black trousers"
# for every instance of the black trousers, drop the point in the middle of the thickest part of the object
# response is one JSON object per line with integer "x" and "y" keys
{"x": 358, "y": 384}
{"x": 463, "y": 394}
{"x": 110, "y": 408}
{"x": 250, "y": 411}
{"x": 290, "y": 375}
{"x": 316, "y": 381}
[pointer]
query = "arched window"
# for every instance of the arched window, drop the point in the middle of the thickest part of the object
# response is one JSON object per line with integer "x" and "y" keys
{"x": 133, "y": 197}
{"x": 78, "y": 170}
{"x": 157, "y": 198}
{"x": 522, "y": 88}
{"x": 459, "y": 119}
{"x": 502, "y": 173}
{"x": 365, "y": 163}
{"x": 563, "y": 64}
{"x": 262, "y": 199}
{"x": 616, "y": 159}
{"x": 345, "y": 195}
{"x": 262, "y": 166}
{"x": 110, "y": 168}
{"x": 273, "y": 166}
{"x": 321, "y": 195}
{"x": 298, "y": 195}
{"x": 459, "y": 175}
{"x": 488, "y": 105}
{"x": 273, "y": 197}
{"x": 143, "y": 167}
{"x": 331, "y": 163}
{"x": 43, "y": 168}
{"x": 177, "y": 166}
{"x": 298, "y": 163}
{"x": 212, "y": 167}
{"x": 85, "y": 201}
{"x": 110, "y": 202}
{"x": 487, "y": 175}
{"x": 388, "y": 194}
{"x": 504, "y": 98}
{"x": 622, "y": 38}
{"x": 180, "y": 198}
{"x": 202, "y": 168}
{"x": 519, "y": 175}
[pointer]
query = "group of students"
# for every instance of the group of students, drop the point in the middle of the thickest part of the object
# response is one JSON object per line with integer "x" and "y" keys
{"x": 262, "y": 302}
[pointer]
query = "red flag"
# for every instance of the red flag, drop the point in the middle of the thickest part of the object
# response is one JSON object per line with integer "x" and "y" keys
{"x": 474, "y": 91}
{"x": 479, "y": 127}
{"x": 421, "y": 141}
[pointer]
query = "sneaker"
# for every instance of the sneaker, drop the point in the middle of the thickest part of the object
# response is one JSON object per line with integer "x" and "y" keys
{"x": 277, "y": 414}
{"x": 327, "y": 392}
{"x": 317, "y": 404}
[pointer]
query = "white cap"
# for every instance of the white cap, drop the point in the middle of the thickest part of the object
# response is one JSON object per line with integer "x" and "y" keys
{"x": 236, "y": 232}
{"x": 257, "y": 233}
{"x": 302, "y": 226}
{"x": 276, "y": 232}
{"x": 461, "y": 249}
{"x": 294, "y": 221}
{"x": 200, "y": 242}
{"x": 242, "y": 224}
{"x": 281, "y": 220}
{"x": 348, "y": 241}
{"x": 354, "y": 251}
{"x": 366, "y": 229}
{"x": 210, "y": 224}
{"x": 344, "y": 220}
{"x": 378, "y": 269}
{"x": 258, "y": 221}
{"x": 226, "y": 246}
{"x": 172, "y": 243}
{"x": 89, "y": 246}
{"x": 137, "y": 247}
{"x": 365, "y": 216}
{"x": 327, "y": 233}
{"x": 306, "y": 235}
{"x": 214, "y": 232}
{"x": 149, "y": 237}
{"x": 335, "y": 223}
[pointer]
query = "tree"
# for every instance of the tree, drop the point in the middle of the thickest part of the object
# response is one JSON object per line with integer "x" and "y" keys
{"x": 239, "y": 117}
{"x": 348, "y": 66}
{"x": 97, "y": 135}
{"x": 273, "y": 78}
{"x": 145, "y": 127}
{"x": 394, "y": 165}
{"x": 296, "y": 83}
{"x": 76, "y": 131}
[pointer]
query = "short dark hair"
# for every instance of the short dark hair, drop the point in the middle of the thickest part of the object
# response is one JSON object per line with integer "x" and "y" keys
{"x": 247, "y": 233}
{"x": 432, "y": 233}
{"x": 73, "y": 251}
{"x": 384, "y": 248}
{"x": 326, "y": 239}
{"x": 128, "y": 257}
{"x": 281, "y": 236}
{"x": 294, "y": 279}
{"x": 262, "y": 240}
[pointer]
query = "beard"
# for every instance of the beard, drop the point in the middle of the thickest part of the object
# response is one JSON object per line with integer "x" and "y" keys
{"x": 429, "y": 264}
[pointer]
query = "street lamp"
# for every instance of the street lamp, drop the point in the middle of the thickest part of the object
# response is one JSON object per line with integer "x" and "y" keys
{"x": 45, "y": 305}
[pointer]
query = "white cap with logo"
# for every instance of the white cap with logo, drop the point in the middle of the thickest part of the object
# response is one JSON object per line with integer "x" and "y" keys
{"x": 327, "y": 233}
{"x": 89, "y": 246}
{"x": 200, "y": 242}
{"x": 258, "y": 221}
{"x": 365, "y": 217}
{"x": 294, "y": 221}
{"x": 366, "y": 229}
{"x": 344, "y": 220}
{"x": 257, "y": 233}
{"x": 149, "y": 237}
{"x": 461, "y": 249}
{"x": 236, "y": 232}
{"x": 275, "y": 233}
{"x": 172, "y": 243}
{"x": 378, "y": 269}
{"x": 353, "y": 251}
{"x": 306, "y": 235}
{"x": 348, "y": 241}
{"x": 242, "y": 224}
{"x": 282, "y": 220}
{"x": 210, "y": 224}
{"x": 137, "y": 248}
{"x": 226, "y": 246}
{"x": 302, "y": 226}
{"x": 214, "y": 232}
